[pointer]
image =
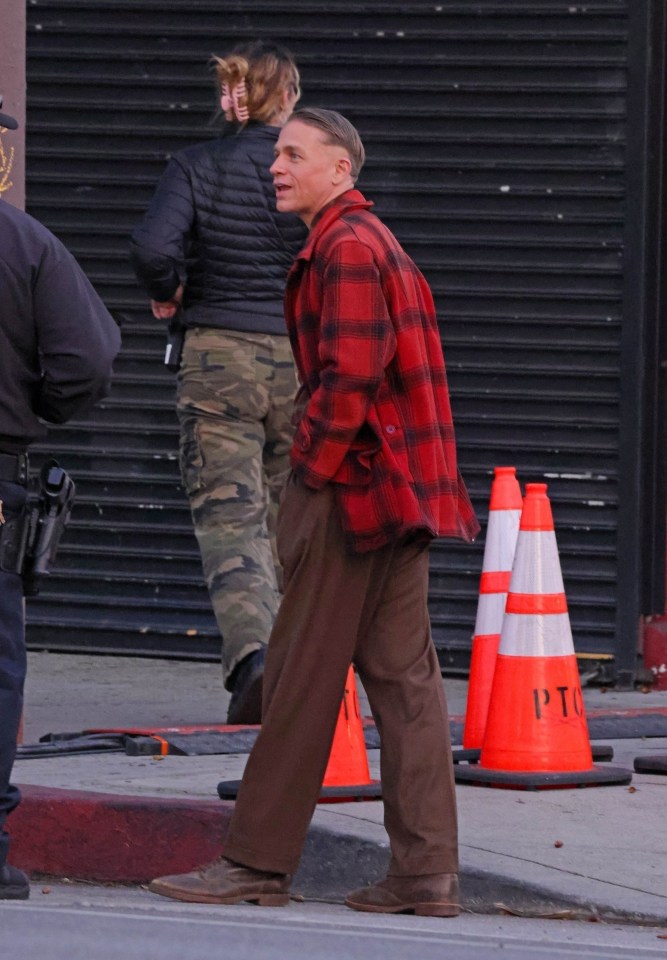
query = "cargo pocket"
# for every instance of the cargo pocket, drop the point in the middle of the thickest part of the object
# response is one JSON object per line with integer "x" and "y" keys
{"x": 190, "y": 456}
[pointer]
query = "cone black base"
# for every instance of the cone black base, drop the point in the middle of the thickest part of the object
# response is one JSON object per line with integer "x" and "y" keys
{"x": 601, "y": 752}
{"x": 541, "y": 780}
{"x": 228, "y": 790}
{"x": 652, "y": 764}
{"x": 466, "y": 755}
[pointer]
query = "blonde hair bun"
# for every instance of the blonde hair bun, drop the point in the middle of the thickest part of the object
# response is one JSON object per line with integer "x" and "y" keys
{"x": 265, "y": 71}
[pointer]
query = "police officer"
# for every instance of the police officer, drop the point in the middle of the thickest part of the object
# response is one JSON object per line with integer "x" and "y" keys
{"x": 57, "y": 344}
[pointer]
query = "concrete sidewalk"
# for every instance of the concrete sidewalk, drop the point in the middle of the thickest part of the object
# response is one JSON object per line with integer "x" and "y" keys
{"x": 599, "y": 852}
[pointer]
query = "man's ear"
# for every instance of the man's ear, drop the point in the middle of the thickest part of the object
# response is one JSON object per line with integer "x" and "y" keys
{"x": 342, "y": 169}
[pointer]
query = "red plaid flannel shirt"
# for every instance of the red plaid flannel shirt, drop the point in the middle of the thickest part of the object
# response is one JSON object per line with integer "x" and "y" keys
{"x": 374, "y": 409}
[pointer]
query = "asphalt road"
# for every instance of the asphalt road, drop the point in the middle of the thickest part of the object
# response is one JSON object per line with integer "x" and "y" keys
{"x": 77, "y": 922}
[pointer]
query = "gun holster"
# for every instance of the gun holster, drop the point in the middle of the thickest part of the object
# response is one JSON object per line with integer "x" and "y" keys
{"x": 175, "y": 342}
{"x": 29, "y": 540}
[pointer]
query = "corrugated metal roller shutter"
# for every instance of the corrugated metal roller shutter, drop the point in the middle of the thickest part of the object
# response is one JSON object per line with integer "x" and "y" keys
{"x": 495, "y": 137}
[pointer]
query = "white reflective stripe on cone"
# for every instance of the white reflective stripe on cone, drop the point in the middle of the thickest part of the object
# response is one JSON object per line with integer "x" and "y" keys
{"x": 536, "y": 635}
{"x": 536, "y": 565}
{"x": 501, "y": 536}
{"x": 490, "y": 611}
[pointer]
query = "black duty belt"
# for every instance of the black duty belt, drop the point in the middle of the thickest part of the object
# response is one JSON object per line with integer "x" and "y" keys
{"x": 14, "y": 468}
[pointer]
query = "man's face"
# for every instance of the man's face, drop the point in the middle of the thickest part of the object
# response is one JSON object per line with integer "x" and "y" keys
{"x": 307, "y": 172}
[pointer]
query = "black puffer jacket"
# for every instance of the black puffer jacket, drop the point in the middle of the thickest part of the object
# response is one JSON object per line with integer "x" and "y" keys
{"x": 212, "y": 225}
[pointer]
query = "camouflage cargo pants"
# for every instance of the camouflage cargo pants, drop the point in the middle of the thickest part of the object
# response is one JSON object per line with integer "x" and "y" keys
{"x": 235, "y": 400}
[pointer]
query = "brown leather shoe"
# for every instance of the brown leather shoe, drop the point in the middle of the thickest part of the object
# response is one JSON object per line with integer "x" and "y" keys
{"x": 224, "y": 881}
{"x": 432, "y": 895}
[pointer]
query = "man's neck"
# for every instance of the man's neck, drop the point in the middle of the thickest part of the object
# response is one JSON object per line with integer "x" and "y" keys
{"x": 325, "y": 206}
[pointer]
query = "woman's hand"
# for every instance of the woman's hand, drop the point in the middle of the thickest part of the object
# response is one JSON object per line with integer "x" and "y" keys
{"x": 165, "y": 309}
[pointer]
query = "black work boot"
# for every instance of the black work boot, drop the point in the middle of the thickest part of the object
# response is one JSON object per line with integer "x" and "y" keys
{"x": 14, "y": 884}
{"x": 245, "y": 705}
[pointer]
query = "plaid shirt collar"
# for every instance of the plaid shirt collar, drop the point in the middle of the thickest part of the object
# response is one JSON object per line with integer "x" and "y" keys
{"x": 332, "y": 211}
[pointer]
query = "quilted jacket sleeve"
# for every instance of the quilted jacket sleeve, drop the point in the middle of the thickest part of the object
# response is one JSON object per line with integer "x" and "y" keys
{"x": 158, "y": 245}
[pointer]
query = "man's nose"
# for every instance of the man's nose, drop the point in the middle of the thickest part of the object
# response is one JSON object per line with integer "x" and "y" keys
{"x": 275, "y": 167}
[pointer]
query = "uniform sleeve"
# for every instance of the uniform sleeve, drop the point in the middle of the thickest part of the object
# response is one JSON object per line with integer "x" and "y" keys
{"x": 158, "y": 245}
{"x": 357, "y": 341}
{"x": 77, "y": 340}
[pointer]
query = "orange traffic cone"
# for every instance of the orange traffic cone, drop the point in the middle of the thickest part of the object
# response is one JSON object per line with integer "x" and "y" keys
{"x": 501, "y": 535}
{"x": 536, "y": 732}
{"x": 347, "y": 776}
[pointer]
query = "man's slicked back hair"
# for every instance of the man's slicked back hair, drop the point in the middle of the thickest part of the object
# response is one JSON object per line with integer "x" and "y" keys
{"x": 337, "y": 131}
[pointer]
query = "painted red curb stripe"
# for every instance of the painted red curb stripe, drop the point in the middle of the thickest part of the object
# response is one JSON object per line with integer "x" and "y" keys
{"x": 112, "y": 838}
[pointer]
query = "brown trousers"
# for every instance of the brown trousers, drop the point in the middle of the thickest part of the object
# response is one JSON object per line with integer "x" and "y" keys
{"x": 338, "y": 608}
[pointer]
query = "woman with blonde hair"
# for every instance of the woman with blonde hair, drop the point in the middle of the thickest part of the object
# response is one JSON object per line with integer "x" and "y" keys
{"x": 213, "y": 248}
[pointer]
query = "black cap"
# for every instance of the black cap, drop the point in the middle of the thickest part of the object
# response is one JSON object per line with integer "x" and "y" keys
{"x": 7, "y": 121}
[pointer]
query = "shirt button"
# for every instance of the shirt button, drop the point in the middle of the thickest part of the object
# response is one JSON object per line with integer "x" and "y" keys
{"x": 390, "y": 428}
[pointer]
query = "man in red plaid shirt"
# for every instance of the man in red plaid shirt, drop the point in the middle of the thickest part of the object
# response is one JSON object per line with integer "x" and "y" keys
{"x": 374, "y": 479}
